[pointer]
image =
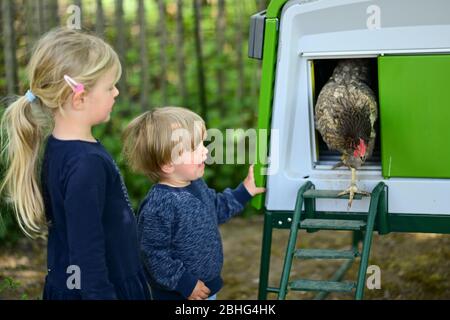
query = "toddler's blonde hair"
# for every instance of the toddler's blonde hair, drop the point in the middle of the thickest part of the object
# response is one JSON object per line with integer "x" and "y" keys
{"x": 151, "y": 139}
{"x": 25, "y": 125}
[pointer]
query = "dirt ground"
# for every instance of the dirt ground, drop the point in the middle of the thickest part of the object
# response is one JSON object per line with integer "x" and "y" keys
{"x": 413, "y": 266}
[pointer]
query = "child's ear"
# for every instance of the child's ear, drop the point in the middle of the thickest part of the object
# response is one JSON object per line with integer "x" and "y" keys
{"x": 168, "y": 168}
{"x": 78, "y": 99}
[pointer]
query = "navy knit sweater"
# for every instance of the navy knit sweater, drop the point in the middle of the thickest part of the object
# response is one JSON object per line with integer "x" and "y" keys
{"x": 92, "y": 225}
{"x": 179, "y": 236}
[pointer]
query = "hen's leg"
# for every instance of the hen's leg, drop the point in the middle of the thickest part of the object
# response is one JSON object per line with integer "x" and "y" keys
{"x": 337, "y": 165}
{"x": 353, "y": 189}
{"x": 340, "y": 163}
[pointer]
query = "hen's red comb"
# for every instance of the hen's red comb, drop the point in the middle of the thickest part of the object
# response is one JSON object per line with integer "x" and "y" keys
{"x": 362, "y": 147}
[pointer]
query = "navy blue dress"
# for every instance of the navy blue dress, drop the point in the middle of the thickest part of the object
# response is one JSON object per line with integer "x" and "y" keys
{"x": 92, "y": 228}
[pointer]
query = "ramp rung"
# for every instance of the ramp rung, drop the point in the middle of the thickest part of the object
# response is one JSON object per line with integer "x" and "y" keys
{"x": 325, "y": 254}
{"x": 330, "y": 224}
{"x": 328, "y": 194}
{"x": 320, "y": 285}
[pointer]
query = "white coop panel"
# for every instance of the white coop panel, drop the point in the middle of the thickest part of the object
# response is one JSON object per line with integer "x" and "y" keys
{"x": 312, "y": 31}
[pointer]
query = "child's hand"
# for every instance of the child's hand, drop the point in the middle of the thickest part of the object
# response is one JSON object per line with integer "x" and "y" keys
{"x": 200, "y": 292}
{"x": 249, "y": 183}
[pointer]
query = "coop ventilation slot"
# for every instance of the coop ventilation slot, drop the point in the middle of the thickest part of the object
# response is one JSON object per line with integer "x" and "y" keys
{"x": 323, "y": 158}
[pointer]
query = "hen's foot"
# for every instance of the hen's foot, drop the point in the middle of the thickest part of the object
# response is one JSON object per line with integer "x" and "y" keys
{"x": 351, "y": 191}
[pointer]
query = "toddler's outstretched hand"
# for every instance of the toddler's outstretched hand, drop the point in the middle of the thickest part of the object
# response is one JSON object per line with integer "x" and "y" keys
{"x": 200, "y": 292}
{"x": 249, "y": 183}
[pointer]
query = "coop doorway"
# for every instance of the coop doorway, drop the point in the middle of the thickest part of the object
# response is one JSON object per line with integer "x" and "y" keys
{"x": 320, "y": 71}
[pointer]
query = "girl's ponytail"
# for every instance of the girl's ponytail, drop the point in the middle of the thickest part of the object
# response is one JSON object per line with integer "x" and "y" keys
{"x": 26, "y": 122}
{"x": 23, "y": 128}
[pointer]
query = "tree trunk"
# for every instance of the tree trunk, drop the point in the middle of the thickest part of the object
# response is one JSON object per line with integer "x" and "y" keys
{"x": 199, "y": 57}
{"x": 180, "y": 54}
{"x": 99, "y": 19}
{"x": 120, "y": 47}
{"x": 262, "y": 4}
{"x": 145, "y": 76}
{"x": 239, "y": 51}
{"x": 50, "y": 14}
{"x": 33, "y": 30}
{"x": 41, "y": 17}
{"x": 220, "y": 31}
{"x": 162, "y": 30}
{"x": 79, "y": 4}
{"x": 9, "y": 46}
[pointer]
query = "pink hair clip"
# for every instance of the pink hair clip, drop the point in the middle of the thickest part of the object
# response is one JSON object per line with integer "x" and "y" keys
{"x": 76, "y": 87}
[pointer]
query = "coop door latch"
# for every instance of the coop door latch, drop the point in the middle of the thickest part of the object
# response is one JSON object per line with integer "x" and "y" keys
{"x": 256, "y": 35}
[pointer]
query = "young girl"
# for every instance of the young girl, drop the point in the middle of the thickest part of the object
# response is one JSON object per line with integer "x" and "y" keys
{"x": 80, "y": 196}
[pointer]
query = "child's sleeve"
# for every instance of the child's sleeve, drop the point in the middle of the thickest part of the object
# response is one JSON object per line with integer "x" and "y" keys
{"x": 229, "y": 202}
{"x": 157, "y": 223}
{"x": 84, "y": 203}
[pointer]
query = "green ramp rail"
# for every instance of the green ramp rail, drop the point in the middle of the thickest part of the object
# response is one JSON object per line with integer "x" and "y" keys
{"x": 308, "y": 219}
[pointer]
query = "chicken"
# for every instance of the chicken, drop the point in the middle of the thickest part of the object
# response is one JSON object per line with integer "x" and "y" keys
{"x": 345, "y": 114}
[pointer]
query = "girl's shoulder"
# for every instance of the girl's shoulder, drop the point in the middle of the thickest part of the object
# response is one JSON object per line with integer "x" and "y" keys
{"x": 74, "y": 148}
{"x": 72, "y": 155}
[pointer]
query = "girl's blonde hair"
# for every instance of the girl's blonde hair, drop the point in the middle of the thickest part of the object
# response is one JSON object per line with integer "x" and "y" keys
{"x": 151, "y": 139}
{"x": 25, "y": 125}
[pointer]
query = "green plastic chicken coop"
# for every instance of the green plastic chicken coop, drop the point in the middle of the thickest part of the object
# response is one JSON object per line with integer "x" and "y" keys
{"x": 408, "y": 46}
